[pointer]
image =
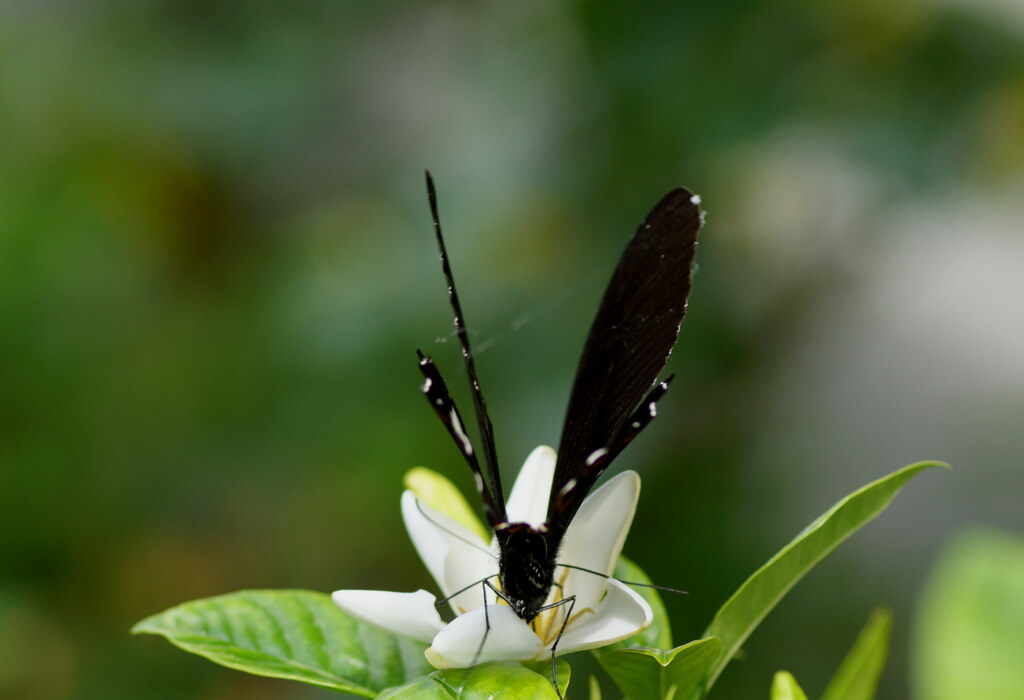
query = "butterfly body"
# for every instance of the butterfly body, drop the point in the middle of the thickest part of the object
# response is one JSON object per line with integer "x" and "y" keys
{"x": 614, "y": 395}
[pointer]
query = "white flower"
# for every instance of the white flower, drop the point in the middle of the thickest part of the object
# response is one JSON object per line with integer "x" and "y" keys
{"x": 605, "y": 610}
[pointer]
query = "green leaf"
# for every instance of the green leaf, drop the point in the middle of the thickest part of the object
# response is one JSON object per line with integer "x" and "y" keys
{"x": 595, "y": 689}
{"x": 857, "y": 678}
{"x": 743, "y": 612}
{"x": 298, "y": 635}
{"x": 505, "y": 680}
{"x": 785, "y": 687}
{"x": 440, "y": 494}
{"x": 969, "y": 634}
{"x": 654, "y": 674}
{"x": 659, "y": 634}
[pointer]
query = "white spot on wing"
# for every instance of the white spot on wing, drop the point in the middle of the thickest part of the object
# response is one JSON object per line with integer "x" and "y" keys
{"x": 695, "y": 199}
{"x": 427, "y": 383}
{"x": 652, "y": 408}
{"x": 460, "y": 433}
{"x": 596, "y": 455}
{"x": 569, "y": 486}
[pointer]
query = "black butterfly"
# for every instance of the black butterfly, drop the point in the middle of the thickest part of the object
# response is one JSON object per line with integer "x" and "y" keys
{"x": 613, "y": 398}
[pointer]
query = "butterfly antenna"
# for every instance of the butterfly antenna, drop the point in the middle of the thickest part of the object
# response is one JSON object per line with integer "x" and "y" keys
{"x": 641, "y": 584}
{"x": 483, "y": 420}
{"x": 450, "y": 532}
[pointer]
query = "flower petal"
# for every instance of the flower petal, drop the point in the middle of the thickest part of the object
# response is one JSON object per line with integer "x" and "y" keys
{"x": 467, "y": 565}
{"x": 621, "y": 614}
{"x": 438, "y": 538}
{"x": 439, "y": 493}
{"x": 595, "y": 537}
{"x": 509, "y": 639}
{"x": 411, "y": 615}
{"x": 429, "y": 540}
{"x": 528, "y": 502}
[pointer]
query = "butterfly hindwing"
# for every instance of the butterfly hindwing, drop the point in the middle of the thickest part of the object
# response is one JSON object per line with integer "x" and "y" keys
{"x": 436, "y": 391}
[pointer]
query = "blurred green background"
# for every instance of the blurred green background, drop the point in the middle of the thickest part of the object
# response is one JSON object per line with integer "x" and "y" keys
{"x": 216, "y": 264}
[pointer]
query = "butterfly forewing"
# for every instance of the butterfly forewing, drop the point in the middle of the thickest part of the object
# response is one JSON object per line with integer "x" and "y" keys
{"x": 636, "y": 326}
{"x": 493, "y": 481}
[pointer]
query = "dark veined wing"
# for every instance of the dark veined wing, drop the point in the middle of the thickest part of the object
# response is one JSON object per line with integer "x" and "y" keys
{"x": 637, "y": 324}
{"x": 494, "y": 498}
{"x": 436, "y": 391}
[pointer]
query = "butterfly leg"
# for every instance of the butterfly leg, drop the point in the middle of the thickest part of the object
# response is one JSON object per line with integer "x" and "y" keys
{"x": 571, "y": 602}
{"x": 462, "y": 590}
{"x": 485, "y": 584}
